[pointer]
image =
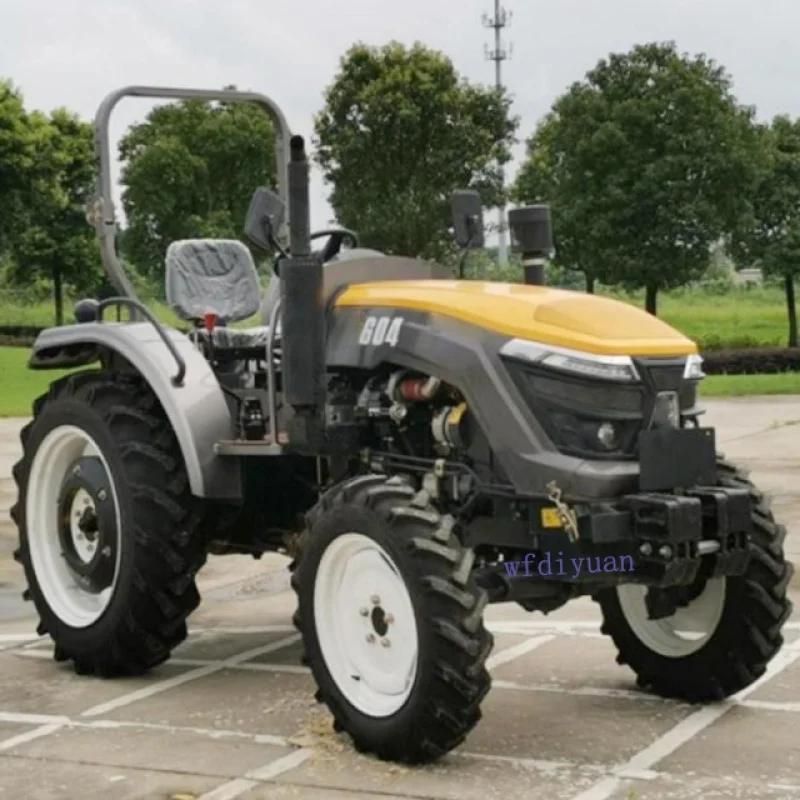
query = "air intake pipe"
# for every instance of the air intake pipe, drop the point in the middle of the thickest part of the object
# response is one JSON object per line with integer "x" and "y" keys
{"x": 302, "y": 315}
{"x": 532, "y": 237}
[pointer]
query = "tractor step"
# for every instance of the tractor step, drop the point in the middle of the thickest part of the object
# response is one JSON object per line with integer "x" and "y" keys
{"x": 251, "y": 447}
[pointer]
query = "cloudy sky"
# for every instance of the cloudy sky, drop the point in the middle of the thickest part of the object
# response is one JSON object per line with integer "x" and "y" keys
{"x": 72, "y": 52}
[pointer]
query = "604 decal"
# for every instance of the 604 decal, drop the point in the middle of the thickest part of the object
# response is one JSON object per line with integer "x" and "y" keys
{"x": 379, "y": 331}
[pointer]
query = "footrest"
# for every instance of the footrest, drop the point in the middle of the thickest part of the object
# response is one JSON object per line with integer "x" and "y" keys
{"x": 251, "y": 447}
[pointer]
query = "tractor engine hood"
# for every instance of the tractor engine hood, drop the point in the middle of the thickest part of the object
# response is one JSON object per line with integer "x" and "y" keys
{"x": 559, "y": 317}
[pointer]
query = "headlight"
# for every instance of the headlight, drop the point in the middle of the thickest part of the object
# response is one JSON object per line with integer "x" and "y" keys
{"x": 609, "y": 368}
{"x": 607, "y": 436}
{"x": 589, "y": 437}
{"x": 694, "y": 368}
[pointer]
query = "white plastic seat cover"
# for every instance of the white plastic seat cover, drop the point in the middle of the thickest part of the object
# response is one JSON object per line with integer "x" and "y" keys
{"x": 212, "y": 275}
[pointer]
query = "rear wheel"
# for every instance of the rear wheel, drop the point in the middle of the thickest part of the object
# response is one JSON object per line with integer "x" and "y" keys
{"x": 392, "y": 620}
{"x": 721, "y": 640}
{"x": 108, "y": 530}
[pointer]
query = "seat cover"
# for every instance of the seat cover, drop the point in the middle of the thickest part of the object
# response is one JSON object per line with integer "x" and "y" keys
{"x": 212, "y": 275}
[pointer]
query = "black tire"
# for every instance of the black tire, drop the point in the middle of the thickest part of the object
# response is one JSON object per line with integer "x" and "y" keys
{"x": 451, "y": 680}
{"x": 748, "y": 635}
{"x": 162, "y": 548}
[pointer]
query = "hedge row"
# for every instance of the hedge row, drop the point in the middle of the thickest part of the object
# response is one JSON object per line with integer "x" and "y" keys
{"x": 749, "y": 361}
{"x": 752, "y": 361}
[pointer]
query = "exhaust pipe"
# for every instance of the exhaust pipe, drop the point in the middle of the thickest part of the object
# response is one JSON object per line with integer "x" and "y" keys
{"x": 532, "y": 236}
{"x": 303, "y": 315}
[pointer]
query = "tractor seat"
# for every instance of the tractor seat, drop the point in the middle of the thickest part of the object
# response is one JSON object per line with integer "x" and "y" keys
{"x": 215, "y": 276}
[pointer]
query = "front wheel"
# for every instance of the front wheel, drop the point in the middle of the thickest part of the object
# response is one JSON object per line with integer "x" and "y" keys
{"x": 721, "y": 640}
{"x": 392, "y": 620}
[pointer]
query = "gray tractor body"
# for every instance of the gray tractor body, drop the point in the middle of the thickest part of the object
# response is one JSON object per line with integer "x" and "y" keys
{"x": 523, "y": 416}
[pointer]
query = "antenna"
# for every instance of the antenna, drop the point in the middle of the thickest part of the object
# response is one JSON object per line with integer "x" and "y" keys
{"x": 500, "y": 20}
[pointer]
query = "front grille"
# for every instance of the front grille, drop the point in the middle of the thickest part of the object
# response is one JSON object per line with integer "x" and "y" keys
{"x": 598, "y": 395}
{"x": 571, "y": 408}
{"x": 666, "y": 375}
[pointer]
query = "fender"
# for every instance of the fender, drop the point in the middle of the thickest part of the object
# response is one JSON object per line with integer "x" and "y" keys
{"x": 197, "y": 410}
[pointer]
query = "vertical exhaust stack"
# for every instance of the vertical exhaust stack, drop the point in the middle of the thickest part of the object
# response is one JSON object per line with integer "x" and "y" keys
{"x": 532, "y": 236}
{"x": 302, "y": 315}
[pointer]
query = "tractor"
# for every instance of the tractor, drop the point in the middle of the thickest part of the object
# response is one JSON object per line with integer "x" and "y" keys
{"x": 417, "y": 444}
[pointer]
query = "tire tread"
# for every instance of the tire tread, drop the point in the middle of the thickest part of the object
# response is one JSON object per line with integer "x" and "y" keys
{"x": 166, "y": 528}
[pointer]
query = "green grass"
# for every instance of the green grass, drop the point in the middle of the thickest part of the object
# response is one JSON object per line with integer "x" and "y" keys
{"x": 41, "y": 314}
{"x": 745, "y": 385}
{"x": 19, "y": 386}
{"x": 746, "y": 317}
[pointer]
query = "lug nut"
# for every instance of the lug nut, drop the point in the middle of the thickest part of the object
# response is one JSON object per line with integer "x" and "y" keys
{"x": 371, "y": 638}
{"x": 665, "y": 551}
{"x": 386, "y": 643}
{"x": 646, "y": 549}
{"x": 375, "y": 599}
{"x": 101, "y": 495}
{"x": 389, "y": 619}
{"x": 364, "y": 612}
{"x": 106, "y": 551}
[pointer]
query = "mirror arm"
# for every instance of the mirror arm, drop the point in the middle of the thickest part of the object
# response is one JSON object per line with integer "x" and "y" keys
{"x": 463, "y": 260}
{"x": 274, "y": 242}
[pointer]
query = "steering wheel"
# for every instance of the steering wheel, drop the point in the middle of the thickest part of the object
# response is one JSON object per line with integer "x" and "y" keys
{"x": 337, "y": 238}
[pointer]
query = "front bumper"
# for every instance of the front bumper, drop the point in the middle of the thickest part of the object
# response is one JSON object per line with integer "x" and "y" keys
{"x": 671, "y": 539}
{"x": 679, "y": 526}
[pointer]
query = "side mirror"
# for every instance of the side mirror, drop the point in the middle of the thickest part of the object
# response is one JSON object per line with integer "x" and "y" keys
{"x": 264, "y": 218}
{"x": 467, "y": 218}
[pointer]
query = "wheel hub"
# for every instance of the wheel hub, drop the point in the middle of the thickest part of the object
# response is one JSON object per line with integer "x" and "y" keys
{"x": 366, "y": 624}
{"x": 683, "y": 632}
{"x": 663, "y": 603}
{"x": 378, "y": 619}
{"x": 87, "y": 525}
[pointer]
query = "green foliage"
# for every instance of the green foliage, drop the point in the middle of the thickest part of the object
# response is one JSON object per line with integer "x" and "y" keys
{"x": 720, "y": 270}
{"x": 44, "y": 234}
{"x": 191, "y": 169}
{"x": 769, "y": 235}
{"x": 399, "y": 132}
{"x": 647, "y": 163}
{"x": 16, "y": 156}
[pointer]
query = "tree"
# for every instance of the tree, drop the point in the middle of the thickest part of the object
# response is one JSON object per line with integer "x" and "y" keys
{"x": 16, "y": 157}
{"x": 541, "y": 179}
{"x": 400, "y": 130}
{"x": 50, "y": 235}
{"x": 769, "y": 236}
{"x": 648, "y": 162}
{"x": 191, "y": 169}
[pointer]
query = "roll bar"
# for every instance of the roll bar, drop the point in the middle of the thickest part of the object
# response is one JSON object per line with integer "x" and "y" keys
{"x": 102, "y": 213}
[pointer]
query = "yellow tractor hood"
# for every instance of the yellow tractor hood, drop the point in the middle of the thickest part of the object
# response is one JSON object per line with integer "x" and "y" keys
{"x": 557, "y": 317}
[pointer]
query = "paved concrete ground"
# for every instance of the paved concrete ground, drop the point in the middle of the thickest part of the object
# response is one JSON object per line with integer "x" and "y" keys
{"x": 232, "y": 715}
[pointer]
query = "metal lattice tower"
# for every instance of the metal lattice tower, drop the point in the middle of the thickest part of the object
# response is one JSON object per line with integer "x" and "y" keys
{"x": 499, "y": 54}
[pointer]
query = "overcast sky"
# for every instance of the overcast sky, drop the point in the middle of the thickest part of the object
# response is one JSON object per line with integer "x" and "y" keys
{"x": 72, "y": 52}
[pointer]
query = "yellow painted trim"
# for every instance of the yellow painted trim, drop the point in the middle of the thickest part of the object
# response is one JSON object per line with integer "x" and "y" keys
{"x": 550, "y": 518}
{"x": 558, "y": 317}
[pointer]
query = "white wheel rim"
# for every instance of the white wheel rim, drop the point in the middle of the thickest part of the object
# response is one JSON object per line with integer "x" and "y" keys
{"x": 69, "y": 601}
{"x": 358, "y": 591}
{"x": 683, "y": 633}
